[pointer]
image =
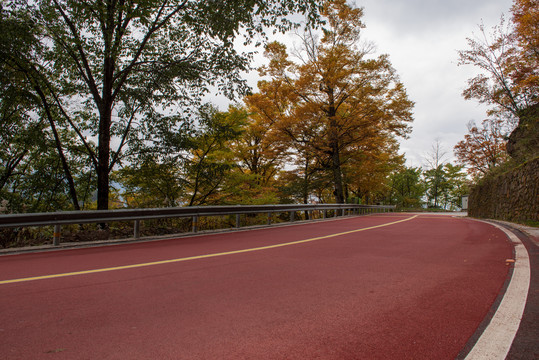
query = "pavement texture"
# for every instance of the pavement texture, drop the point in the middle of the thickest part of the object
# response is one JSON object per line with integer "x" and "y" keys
{"x": 392, "y": 286}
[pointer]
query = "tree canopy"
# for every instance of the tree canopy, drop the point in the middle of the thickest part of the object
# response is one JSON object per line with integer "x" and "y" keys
{"x": 483, "y": 148}
{"x": 335, "y": 102}
{"x": 107, "y": 100}
{"x": 113, "y": 69}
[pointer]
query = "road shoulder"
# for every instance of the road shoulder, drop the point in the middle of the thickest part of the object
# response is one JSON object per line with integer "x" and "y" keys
{"x": 525, "y": 345}
{"x": 510, "y": 331}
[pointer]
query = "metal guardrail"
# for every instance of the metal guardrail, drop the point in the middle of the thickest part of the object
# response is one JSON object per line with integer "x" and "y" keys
{"x": 57, "y": 219}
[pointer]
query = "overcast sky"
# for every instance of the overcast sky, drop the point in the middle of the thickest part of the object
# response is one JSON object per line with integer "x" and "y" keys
{"x": 422, "y": 38}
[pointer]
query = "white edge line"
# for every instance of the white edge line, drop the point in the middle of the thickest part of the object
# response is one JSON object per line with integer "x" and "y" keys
{"x": 497, "y": 338}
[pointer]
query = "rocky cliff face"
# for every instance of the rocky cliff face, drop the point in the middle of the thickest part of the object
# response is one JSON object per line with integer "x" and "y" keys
{"x": 523, "y": 143}
{"x": 513, "y": 196}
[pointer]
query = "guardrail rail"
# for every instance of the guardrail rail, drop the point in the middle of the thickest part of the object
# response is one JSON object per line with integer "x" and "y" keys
{"x": 57, "y": 219}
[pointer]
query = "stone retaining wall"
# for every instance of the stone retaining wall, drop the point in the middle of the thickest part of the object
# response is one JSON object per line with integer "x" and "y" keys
{"x": 512, "y": 196}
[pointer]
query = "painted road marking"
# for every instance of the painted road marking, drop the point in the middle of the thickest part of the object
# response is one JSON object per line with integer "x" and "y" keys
{"x": 161, "y": 262}
{"x": 497, "y": 338}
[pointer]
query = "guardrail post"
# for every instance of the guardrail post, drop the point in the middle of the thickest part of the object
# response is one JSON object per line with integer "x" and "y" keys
{"x": 139, "y": 215}
{"x": 136, "y": 229}
{"x": 195, "y": 223}
{"x": 56, "y": 235}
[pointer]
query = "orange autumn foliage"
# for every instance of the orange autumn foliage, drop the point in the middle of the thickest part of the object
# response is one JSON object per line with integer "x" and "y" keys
{"x": 483, "y": 147}
{"x": 336, "y": 101}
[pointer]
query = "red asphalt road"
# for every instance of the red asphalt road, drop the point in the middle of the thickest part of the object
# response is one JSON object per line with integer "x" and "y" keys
{"x": 412, "y": 290}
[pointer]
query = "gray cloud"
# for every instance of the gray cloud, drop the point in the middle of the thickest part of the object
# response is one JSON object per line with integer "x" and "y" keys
{"x": 422, "y": 38}
{"x": 422, "y": 16}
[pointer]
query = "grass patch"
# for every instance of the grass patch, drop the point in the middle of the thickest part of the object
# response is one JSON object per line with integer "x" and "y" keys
{"x": 532, "y": 223}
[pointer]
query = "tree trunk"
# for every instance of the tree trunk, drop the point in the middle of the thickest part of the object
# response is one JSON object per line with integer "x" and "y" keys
{"x": 103, "y": 160}
{"x": 334, "y": 148}
{"x": 105, "y": 121}
{"x": 306, "y": 185}
{"x": 10, "y": 167}
{"x": 337, "y": 175}
{"x": 65, "y": 165}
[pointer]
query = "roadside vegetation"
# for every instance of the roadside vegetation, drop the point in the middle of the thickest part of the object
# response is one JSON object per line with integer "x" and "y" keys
{"x": 104, "y": 105}
{"x": 507, "y": 57}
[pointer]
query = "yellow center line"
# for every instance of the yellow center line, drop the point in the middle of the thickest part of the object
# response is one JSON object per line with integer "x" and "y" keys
{"x": 133, "y": 266}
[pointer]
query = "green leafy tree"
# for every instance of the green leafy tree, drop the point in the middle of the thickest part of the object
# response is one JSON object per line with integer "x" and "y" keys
{"x": 39, "y": 182}
{"x": 151, "y": 184}
{"x": 117, "y": 66}
{"x": 407, "y": 188}
{"x": 434, "y": 174}
{"x": 26, "y": 93}
{"x": 211, "y": 157}
{"x": 454, "y": 186}
{"x": 445, "y": 184}
{"x": 17, "y": 127}
{"x": 186, "y": 166}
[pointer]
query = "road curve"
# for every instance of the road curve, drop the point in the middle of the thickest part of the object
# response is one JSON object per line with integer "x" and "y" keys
{"x": 392, "y": 286}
